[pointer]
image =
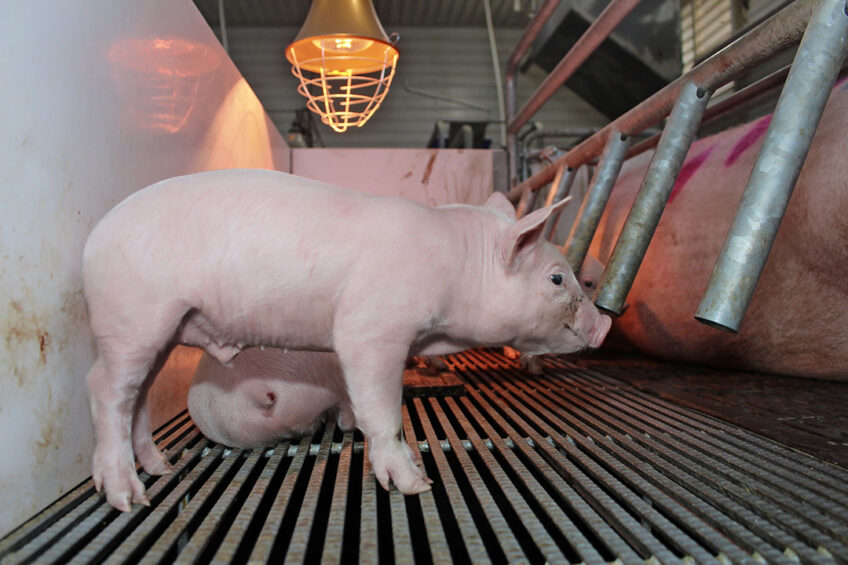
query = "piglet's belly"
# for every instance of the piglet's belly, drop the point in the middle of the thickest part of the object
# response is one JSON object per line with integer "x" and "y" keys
{"x": 224, "y": 333}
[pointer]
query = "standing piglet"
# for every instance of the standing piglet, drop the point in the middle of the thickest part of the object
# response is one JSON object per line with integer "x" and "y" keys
{"x": 228, "y": 259}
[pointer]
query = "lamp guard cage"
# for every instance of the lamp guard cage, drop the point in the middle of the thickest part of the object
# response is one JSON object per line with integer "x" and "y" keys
{"x": 344, "y": 99}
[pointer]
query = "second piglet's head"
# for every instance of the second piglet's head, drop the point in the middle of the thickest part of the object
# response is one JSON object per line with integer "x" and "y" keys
{"x": 540, "y": 292}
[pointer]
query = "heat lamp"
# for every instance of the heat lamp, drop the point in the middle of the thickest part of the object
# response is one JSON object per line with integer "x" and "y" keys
{"x": 344, "y": 61}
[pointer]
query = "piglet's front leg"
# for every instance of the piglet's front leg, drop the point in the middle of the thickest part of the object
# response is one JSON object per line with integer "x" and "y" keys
{"x": 374, "y": 378}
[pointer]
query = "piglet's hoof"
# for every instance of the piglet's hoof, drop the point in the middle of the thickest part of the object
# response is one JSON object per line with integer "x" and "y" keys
{"x": 121, "y": 491}
{"x": 395, "y": 465}
{"x": 408, "y": 480}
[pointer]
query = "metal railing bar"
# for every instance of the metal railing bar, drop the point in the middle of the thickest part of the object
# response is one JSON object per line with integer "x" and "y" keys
{"x": 592, "y": 207}
{"x": 601, "y": 27}
{"x": 543, "y": 13}
{"x": 783, "y": 30}
{"x": 784, "y": 150}
{"x": 650, "y": 202}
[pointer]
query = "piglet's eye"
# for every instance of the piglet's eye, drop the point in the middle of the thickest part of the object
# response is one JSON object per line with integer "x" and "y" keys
{"x": 557, "y": 279}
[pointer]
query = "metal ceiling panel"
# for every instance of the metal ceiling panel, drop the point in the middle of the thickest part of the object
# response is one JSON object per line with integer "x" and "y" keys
{"x": 405, "y": 13}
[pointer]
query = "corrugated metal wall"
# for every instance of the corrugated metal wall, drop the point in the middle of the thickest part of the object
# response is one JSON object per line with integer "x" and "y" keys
{"x": 453, "y": 62}
{"x": 704, "y": 24}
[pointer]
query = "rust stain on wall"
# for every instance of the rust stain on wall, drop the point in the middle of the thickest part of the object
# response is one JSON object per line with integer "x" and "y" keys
{"x": 428, "y": 170}
{"x": 26, "y": 339}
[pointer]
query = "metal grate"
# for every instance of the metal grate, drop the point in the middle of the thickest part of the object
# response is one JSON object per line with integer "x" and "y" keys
{"x": 569, "y": 466}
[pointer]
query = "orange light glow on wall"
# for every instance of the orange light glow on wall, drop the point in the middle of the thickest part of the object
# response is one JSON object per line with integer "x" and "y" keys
{"x": 344, "y": 62}
{"x": 160, "y": 78}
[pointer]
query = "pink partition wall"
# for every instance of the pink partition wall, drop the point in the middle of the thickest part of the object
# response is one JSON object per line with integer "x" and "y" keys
{"x": 430, "y": 176}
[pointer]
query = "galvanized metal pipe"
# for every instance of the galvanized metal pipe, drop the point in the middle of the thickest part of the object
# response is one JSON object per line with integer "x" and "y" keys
{"x": 535, "y": 26}
{"x": 525, "y": 205}
{"x": 750, "y": 92}
{"x": 653, "y": 195}
{"x": 589, "y": 216}
{"x": 524, "y": 144}
{"x": 780, "y": 32}
{"x": 773, "y": 177}
{"x": 560, "y": 188}
{"x": 564, "y": 132}
{"x": 739, "y": 98}
{"x": 603, "y": 25}
{"x": 496, "y": 68}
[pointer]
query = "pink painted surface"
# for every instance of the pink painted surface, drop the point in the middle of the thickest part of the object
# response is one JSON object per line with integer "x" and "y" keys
{"x": 757, "y": 131}
{"x": 690, "y": 167}
{"x": 430, "y": 176}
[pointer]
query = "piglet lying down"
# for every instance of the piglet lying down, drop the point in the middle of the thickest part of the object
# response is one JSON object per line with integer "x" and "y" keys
{"x": 229, "y": 259}
{"x": 266, "y": 395}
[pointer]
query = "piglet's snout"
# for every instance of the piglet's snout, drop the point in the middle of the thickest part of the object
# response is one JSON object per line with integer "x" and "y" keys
{"x": 597, "y": 334}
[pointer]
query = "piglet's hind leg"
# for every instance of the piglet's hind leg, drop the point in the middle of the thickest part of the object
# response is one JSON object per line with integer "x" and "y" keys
{"x": 146, "y": 452}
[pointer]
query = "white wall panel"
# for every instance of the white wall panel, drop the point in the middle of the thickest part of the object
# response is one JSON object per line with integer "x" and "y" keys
{"x": 99, "y": 99}
{"x": 453, "y": 62}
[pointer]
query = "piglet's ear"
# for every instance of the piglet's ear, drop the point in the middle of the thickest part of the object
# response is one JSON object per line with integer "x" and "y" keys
{"x": 525, "y": 233}
{"x": 498, "y": 201}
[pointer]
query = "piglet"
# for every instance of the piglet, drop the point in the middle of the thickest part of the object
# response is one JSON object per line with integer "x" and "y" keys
{"x": 228, "y": 259}
{"x": 267, "y": 395}
{"x": 588, "y": 279}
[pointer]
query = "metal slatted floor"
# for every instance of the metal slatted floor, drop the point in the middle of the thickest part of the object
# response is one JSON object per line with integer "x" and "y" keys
{"x": 569, "y": 466}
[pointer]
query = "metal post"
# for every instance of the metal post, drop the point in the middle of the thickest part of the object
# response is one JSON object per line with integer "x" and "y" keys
{"x": 595, "y": 200}
{"x": 772, "y": 180}
{"x": 525, "y": 205}
{"x": 560, "y": 188}
{"x": 496, "y": 67}
{"x": 780, "y": 32}
{"x": 543, "y": 14}
{"x": 653, "y": 195}
{"x": 600, "y": 29}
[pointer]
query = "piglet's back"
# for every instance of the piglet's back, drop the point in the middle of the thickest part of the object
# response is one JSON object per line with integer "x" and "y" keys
{"x": 236, "y": 227}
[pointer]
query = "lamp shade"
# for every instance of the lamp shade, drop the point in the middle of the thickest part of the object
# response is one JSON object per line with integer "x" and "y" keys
{"x": 344, "y": 61}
